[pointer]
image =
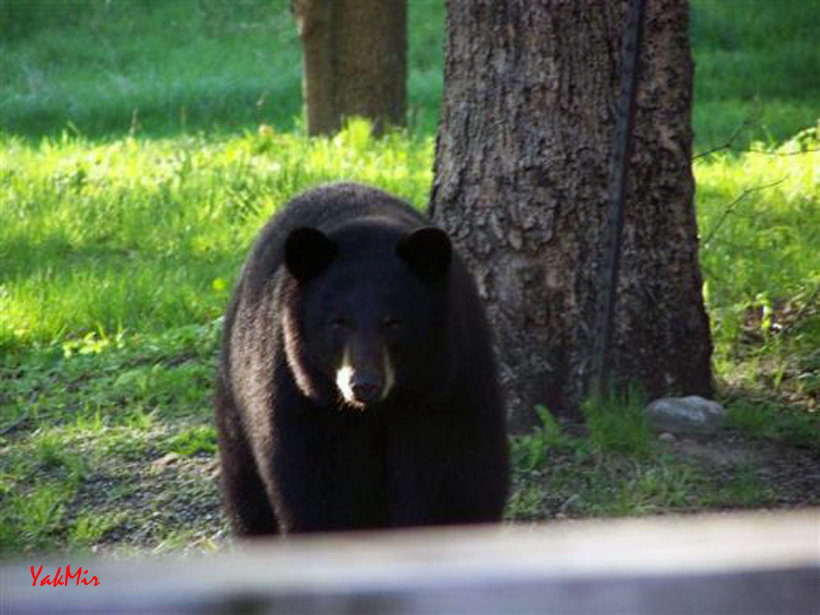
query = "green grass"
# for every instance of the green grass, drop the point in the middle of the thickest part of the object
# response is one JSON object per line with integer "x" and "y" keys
{"x": 104, "y": 69}
{"x": 754, "y": 60}
{"x": 759, "y": 215}
{"x": 135, "y": 234}
{"x": 619, "y": 423}
{"x": 111, "y": 432}
{"x": 766, "y": 420}
{"x": 142, "y": 145}
{"x": 158, "y": 67}
{"x": 589, "y": 474}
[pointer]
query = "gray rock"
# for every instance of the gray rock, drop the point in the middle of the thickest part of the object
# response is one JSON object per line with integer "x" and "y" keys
{"x": 691, "y": 414}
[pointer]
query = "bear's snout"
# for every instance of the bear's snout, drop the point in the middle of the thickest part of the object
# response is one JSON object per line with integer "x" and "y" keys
{"x": 366, "y": 374}
{"x": 367, "y": 389}
{"x": 360, "y": 387}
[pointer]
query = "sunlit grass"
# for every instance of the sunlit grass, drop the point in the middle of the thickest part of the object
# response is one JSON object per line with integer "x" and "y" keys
{"x": 759, "y": 214}
{"x": 149, "y": 234}
{"x": 137, "y": 234}
{"x": 142, "y": 145}
{"x": 766, "y": 242}
{"x": 142, "y": 236}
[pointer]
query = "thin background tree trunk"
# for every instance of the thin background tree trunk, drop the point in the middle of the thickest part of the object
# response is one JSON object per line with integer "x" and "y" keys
{"x": 521, "y": 179}
{"x": 354, "y": 61}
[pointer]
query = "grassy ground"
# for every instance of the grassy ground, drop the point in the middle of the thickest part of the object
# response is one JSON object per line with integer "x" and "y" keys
{"x": 105, "y": 69}
{"x": 121, "y": 234}
{"x": 755, "y": 62}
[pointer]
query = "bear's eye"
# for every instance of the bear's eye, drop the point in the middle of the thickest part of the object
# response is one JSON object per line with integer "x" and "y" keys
{"x": 392, "y": 323}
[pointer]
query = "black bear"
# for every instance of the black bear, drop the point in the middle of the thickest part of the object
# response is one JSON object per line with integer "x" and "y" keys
{"x": 357, "y": 386}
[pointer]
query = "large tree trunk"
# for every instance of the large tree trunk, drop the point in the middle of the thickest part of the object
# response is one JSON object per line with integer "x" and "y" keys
{"x": 521, "y": 181}
{"x": 354, "y": 61}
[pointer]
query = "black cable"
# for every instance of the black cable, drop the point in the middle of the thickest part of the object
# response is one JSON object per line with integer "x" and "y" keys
{"x": 616, "y": 197}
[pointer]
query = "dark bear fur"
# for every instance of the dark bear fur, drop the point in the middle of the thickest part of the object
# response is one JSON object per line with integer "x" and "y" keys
{"x": 357, "y": 386}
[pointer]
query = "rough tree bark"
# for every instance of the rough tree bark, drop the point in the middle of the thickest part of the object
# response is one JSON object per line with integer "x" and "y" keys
{"x": 520, "y": 181}
{"x": 354, "y": 61}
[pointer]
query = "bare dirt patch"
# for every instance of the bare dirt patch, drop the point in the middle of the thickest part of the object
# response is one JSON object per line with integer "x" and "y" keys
{"x": 792, "y": 472}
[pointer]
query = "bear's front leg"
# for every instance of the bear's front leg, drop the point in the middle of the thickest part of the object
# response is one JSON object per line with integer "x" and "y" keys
{"x": 443, "y": 471}
{"x": 329, "y": 473}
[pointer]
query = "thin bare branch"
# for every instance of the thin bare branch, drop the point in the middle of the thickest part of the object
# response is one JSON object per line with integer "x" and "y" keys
{"x": 731, "y": 206}
{"x": 748, "y": 122}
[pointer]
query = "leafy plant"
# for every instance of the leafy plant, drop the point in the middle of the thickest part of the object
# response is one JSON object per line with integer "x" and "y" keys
{"x": 619, "y": 424}
{"x": 532, "y": 450}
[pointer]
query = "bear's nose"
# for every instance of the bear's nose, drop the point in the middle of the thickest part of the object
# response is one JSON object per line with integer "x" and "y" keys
{"x": 366, "y": 391}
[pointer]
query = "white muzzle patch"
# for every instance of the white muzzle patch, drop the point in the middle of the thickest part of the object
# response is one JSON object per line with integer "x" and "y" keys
{"x": 344, "y": 377}
{"x": 346, "y": 372}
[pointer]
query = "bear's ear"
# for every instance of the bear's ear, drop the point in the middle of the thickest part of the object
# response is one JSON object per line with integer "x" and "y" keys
{"x": 307, "y": 252}
{"x": 428, "y": 251}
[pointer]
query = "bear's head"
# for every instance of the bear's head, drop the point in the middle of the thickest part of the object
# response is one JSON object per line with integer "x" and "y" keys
{"x": 365, "y": 309}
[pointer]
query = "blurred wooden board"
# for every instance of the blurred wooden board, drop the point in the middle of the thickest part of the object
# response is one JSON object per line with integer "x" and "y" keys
{"x": 734, "y": 563}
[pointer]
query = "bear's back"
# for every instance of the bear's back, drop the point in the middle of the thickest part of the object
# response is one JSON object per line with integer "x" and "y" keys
{"x": 329, "y": 206}
{"x": 326, "y": 208}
